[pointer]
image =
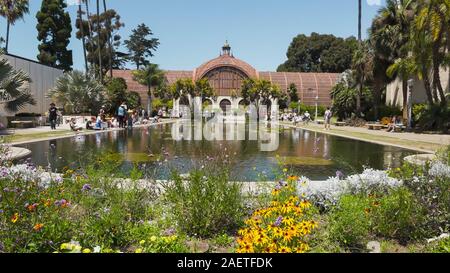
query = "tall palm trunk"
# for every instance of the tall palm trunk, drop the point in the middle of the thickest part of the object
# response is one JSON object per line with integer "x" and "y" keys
{"x": 80, "y": 16}
{"x": 109, "y": 43}
{"x": 8, "y": 25}
{"x": 359, "y": 20}
{"x": 98, "y": 43}
{"x": 437, "y": 66}
{"x": 405, "y": 98}
{"x": 427, "y": 83}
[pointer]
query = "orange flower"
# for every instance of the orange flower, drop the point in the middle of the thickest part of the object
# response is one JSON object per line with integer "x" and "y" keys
{"x": 38, "y": 227}
{"x": 15, "y": 218}
{"x": 293, "y": 178}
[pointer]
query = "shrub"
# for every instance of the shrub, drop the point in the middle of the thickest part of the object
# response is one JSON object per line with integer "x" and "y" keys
{"x": 283, "y": 227}
{"x": 397, "y": 215}
{"x": 205, "y": 203}
{"x": 350, "y": 221}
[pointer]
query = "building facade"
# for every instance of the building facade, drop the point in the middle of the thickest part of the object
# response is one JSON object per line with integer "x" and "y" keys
{"x": 43, "y": 78}
{"x": 226, "y": 74}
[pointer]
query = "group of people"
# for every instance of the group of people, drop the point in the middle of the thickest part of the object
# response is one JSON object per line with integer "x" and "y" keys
{"x": 306, "y": 118}
{"x": 396, "y": 122}
{"x": 123, "y": 118}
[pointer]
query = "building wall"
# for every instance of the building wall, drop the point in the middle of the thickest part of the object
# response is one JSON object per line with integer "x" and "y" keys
{"x": 394, "y": 93}
{"x": 43, "y": 79}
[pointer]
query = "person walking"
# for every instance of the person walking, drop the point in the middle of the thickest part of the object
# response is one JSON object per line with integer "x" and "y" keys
{"x": 53, "y": 115}
{"x": 328, "y": 116}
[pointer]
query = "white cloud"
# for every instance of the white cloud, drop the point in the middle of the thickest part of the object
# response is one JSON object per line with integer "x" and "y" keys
{"x": 374, "y": 2}
{"x": 73, "y": 2}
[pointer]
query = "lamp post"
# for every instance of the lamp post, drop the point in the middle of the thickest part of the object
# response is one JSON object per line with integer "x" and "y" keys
{"x": 317, "y": 105}
{"x": 410, "y": 90}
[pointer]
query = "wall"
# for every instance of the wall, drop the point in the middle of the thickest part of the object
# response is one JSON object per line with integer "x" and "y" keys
{"x": 43, "y": 79}
{"x": 394, "y": 94}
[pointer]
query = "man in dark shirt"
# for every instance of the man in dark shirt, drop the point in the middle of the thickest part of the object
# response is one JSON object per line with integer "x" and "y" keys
{"x": 53, "y": 115}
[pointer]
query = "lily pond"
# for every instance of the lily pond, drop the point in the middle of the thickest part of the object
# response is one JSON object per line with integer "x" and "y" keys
{"x": 184, "y": 145}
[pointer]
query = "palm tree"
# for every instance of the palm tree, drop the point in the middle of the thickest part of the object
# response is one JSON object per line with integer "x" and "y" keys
{"x": 79, "y": 93}
{"x": 80, "y": 18}
{"x": 12, "y": 10}
{"x": 434, "y": 21}
{"x": 152, "y": 77}
{"x": 362, "y": 64}
{"x": 359, "y": 20}
{"x": 14, "y": 91}
{"x": 109, "y": 42}
{"x": 98, "y": 43}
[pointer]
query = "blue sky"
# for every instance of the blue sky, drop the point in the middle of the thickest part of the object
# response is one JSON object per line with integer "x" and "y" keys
{"x": 193, "y": 31}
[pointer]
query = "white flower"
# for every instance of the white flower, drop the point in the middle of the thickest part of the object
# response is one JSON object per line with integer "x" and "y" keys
{"x": 439, "y": 170}
{"x": 97, "y": 249}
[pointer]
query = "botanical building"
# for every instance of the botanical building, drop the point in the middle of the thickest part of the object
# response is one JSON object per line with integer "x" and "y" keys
{"x": 226, "y": 74}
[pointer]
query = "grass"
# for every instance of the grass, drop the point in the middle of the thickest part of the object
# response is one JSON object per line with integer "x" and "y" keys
{"x": 23, "y": 137}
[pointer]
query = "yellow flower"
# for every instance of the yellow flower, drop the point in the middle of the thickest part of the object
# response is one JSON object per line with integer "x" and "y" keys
{"x": 139, "y": 250}
{"x": 153, "y": 238}
{"x": 285, "y": 249}
{"x": 65, "y": 246}
{"x": 15, "y": 218}
{"x": 293, "y": 178}
{"x": 285, "y": 170}
{"x": 275, "y": 192}
{"x": 142, "y": 242}
{"x": 86, "y": 251}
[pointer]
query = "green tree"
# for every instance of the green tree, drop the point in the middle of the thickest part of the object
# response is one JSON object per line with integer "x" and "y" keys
{"x": 362, "y": 65}
{"x": 14, "y": 91}
{"x": 12, "y": 10}
{"x": 293, "y": 93}
{"x": 259, "y": 92}
{"x": 141, "y": 46}
{"x": 319, "y": 53}
{"x": 54, "y": 32}
{"x": 116, "y": 89}
{"x": 79, "y": 93}
{"x": 152, "y": 77}
{"x": 203, "y": 89}
{"x": 182, "y": 89}
{"x": 98, "y": 31}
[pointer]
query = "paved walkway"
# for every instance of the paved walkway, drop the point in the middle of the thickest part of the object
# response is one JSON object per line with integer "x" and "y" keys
{"x": 427, "y": 143}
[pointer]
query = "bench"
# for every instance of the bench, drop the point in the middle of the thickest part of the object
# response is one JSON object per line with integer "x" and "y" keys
{"x": 339, "y": 124}
{"x": 23, "y": 123}
{"x": 320, "y": 121}
{"x": 376, "y": 126}
{"x": 399, "y": 128}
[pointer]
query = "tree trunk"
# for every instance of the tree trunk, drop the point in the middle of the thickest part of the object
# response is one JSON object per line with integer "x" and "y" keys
{"x": 427, "y": 83}
{"x": 83, "y": 38}
{"x": 377, "y": 99}
{"x": 358, "y": 97}
{"x": 98, "y": 43}
{"x": 109, "y": 43}
{"x": 405, "y": 99}
{"x": 8, "y": 25}
{"x": 359, "y": 20}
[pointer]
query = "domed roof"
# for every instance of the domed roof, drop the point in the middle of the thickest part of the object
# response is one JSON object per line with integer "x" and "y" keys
{"x": 225, "y": 60}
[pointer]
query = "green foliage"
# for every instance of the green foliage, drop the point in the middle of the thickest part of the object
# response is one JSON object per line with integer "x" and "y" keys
{"x": 54, "y": 32}
{"x": 345, "y": 100}
{"x": 350, "y": 221}
{"x": 206, "y": 203}
{"x": 293, "y": 93}
{"x": 140, "y": 47}
{"x": 397, "y": 215}
{"x": 203, "y": 88}
{"x": 13, "y": 10}
{"x": 101, "y": 34}
{"x": 133, "y": 99}
{"x": 157, "y": 104}
{"x": 442, "y": 246}
{"x": 223, "y": 240}
{"x": 319, "y": 53}
{"x": 79, "y": 93}
{"x": 435, "y": 118}
{"x": 117, "y": 92}
{"x": 14, "y": 91}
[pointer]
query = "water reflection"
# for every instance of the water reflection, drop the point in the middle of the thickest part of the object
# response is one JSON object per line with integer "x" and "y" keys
{"x": 254, "y": 148}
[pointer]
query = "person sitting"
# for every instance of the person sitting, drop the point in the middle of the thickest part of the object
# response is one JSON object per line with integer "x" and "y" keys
{"x": 306, "y": 118}
{"x": 73, "y": 126}
{"x": 391, "y": 125}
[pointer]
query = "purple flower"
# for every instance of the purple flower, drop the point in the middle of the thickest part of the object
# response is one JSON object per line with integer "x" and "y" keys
{"x": 340, "y": 175}
{"x": 1, "y": 211}
{"x": 278, "y": 221}
{"x": 86, "y": 187}
{"x": 169, "y": 232}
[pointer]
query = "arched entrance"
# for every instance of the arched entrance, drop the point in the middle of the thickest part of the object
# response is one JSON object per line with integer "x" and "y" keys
{"x": 225, "y": 105}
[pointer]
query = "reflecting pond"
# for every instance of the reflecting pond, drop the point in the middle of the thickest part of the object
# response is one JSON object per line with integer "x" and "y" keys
{"x": 252, "y": 150}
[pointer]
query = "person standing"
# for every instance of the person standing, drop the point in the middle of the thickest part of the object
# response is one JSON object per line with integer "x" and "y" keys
{"x": 53, "y": 115}
{"x": 328, "y": 116}
{"x": 121, "y": 116}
